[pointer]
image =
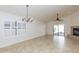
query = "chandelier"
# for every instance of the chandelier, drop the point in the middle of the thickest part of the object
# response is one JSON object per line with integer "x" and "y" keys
{"x": 27, "y": 18}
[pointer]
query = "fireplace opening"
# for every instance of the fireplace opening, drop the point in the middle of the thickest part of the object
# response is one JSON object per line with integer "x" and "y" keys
{"x": 76, "y": 31}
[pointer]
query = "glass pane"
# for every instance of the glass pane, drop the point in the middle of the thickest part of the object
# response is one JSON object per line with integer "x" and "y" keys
{"x": 59, "y": 29}
{"x": 55, "y": 29}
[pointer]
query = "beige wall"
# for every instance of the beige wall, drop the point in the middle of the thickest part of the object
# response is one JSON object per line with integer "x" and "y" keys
{"x": 68, "y": 21}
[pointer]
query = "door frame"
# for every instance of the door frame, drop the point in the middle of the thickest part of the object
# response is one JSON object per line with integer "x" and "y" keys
{"x": 59, "y": 24}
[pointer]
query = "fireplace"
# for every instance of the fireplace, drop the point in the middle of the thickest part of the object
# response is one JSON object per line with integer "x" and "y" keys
{"x": 75, "y": 31}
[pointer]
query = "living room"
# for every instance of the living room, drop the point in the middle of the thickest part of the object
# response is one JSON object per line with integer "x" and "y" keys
{"x": 36, "y": 34}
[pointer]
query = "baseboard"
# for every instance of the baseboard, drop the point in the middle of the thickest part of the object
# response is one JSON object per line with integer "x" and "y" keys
{"x": 19, "y": 41}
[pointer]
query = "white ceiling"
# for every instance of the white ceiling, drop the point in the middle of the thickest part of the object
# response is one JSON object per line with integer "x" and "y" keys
{"x": 41, "y": 12}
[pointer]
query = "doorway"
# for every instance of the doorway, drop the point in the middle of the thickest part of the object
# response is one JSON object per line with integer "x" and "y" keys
{"x": 59, "y": 30}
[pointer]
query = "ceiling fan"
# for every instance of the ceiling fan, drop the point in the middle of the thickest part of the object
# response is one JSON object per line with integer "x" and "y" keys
{"x": 58, "y": 19}
{"x": 27, "y": 18}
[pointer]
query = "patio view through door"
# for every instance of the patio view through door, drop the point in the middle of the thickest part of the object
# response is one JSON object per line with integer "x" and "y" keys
{"x": 59, "y": 30}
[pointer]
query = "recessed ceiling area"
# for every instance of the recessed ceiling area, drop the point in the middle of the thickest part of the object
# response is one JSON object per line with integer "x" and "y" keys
{"x": 43, "y": 13}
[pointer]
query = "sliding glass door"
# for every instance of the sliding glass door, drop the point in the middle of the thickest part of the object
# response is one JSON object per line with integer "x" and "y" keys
{"x": 59, "y": 30}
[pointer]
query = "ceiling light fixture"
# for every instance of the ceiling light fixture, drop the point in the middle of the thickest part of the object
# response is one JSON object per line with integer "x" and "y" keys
{"x": 27, "y": 19}
{"x": 58, "y": 19}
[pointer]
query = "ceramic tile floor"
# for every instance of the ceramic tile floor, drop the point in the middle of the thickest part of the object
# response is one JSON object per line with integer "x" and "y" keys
{"x": 45, "y": 44}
